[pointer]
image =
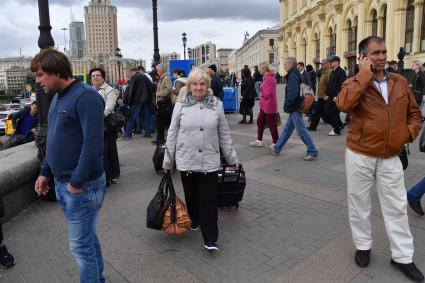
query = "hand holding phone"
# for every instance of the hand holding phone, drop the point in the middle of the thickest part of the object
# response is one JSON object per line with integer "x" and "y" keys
{"x": 365, "y": 63}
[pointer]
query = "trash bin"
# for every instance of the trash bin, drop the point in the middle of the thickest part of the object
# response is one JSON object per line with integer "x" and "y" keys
{"x": 230, "y": 99}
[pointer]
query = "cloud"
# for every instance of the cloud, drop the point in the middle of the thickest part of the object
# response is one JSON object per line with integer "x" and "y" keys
{"x": 219, "y": 21}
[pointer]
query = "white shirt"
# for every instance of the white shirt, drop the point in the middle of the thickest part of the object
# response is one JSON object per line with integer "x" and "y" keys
{"x": 382, "y": 86}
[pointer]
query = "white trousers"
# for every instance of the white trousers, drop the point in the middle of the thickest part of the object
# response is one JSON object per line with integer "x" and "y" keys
{"x": 363, "y": 173}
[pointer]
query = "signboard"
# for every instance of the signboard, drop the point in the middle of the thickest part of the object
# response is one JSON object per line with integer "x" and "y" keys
{"x": 80, "y": 76}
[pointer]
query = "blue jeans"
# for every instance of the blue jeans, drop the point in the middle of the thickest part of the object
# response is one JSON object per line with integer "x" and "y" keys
{"x": 134, "y": 115}
{"x": 81, "y": 211}
{"x": 257, "y": 88}
{"x": 418, "y": 190}
{"x": 146, "y": 113}
{"x": 295, "y": 121}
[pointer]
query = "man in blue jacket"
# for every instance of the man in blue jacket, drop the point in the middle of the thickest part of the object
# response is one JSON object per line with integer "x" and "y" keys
{"x": 74, "y": 157}
{"x": 293, "y": 105}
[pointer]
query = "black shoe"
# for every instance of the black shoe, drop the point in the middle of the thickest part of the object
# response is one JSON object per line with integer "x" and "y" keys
{"x": 157, "y": 142}
{"x": 6, "y": 259}
{"x": 415, "y": 205}
{"x": 362, "y": 258}
{"x": 194, "y": 226}
{"x": 311, "y": 129}
{"x": 410, "y": 270}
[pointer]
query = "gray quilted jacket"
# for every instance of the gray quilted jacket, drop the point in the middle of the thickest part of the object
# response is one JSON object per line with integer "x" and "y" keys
{"x": 197, "y": 132}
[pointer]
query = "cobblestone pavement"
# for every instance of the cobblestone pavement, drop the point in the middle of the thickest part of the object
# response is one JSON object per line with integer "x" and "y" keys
{"x": 292, "y": 225}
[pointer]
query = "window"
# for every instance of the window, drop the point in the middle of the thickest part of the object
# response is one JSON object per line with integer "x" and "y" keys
{"x": 271, "y": 42}
{"x": 271, "y": 58}
{"x": 410, "y": 18}
{"x": 384, "y": 22}
{"x": 332, "y": 43}
{"x": 352, "y": 37}
{"x": 374, "y": 23}
{"x": 317, "y": 40}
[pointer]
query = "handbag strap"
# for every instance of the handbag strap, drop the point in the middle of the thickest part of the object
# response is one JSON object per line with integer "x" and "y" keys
{"x": 172, "y": 197}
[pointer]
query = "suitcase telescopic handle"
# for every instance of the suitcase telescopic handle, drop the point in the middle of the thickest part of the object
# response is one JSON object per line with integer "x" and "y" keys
{"x": 224, "y": 171}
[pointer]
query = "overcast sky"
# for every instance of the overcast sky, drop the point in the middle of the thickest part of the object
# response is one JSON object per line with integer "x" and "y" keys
{"x": 223, "y": 22}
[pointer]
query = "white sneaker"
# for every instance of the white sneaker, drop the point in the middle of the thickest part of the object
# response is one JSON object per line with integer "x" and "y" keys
{"x": 332, "y": 133}
{"x": 256, "y": 143}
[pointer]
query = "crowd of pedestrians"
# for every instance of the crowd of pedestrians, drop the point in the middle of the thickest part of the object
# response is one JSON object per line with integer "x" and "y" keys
{"x": 188, "y": 118}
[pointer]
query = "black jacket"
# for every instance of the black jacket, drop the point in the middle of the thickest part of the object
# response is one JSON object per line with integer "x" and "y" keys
{"x": 248, "y": 89}
{"x": 257, "y": 76}
{"x": 217, "y": 86}
{"x": 337, "y": 78}
{"x": 140, "y": 89}
{"x": 419, "y": 87}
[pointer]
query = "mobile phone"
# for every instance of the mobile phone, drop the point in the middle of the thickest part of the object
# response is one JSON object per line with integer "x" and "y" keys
{"x": 362, "y": 55}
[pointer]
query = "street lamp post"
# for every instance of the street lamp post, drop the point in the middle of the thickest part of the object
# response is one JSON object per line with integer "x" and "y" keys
{"x": 64, "y": 38}
{"x": 119, "y": 56}
{"x": 45, "y": 40}
{"x": 156, "y": 56}
{"x": 184, "y": 39}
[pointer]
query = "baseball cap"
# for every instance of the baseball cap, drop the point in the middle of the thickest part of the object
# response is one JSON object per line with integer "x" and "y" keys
{"x": 335, "y": 58}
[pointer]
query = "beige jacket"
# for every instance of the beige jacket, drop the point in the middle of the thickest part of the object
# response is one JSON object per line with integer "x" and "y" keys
{"x": 165, "y": 87}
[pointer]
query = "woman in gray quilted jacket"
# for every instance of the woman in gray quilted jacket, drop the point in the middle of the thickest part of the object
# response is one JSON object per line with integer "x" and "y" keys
{"x": 197, "y": 132}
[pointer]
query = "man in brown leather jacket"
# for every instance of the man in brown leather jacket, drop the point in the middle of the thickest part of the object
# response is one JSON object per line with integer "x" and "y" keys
{"x": 384, "y": 116}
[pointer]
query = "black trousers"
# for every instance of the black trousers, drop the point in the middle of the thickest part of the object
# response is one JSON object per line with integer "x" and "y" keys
{"x": 111, "y": 162}
{"x": 332, "y": 112}
{"x": 200, "y": 193}
{"x": 162, "y": 121}
{"x": 315, "y": 119}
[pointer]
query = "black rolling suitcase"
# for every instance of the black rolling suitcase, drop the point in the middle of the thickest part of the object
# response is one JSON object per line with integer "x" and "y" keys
{"x": 231, "y": 186}
{"x": 158, "y": 157}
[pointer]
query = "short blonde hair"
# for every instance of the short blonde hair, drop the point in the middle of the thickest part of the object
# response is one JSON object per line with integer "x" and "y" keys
{"x": 417, "y": 62}
{"x": 197, "y": 75}
{"x": 266, "y": 66}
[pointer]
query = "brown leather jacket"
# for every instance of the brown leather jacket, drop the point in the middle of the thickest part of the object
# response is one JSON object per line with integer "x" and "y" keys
{"x": 378, "y": 129}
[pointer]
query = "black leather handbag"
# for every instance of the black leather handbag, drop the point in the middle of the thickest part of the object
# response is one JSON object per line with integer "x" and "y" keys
{"x": 158, "y": 205}
{"x": 165, "y": 107}
{"x": 114, "y": 121}
{"x": 422, "y": 141}
{"x": 403, "y": 157}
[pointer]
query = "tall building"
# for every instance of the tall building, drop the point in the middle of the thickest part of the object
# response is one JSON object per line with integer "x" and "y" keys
{"x": 7, "y": 63}
{"x": 166, "y": 58}
{"x": 204, "y": 54}
{"x": 312, "y": 29}
{"x": 76, "y": 40}
{"x": 101, "y": 29}
{"x": 223, "y": 59}
{"x": 13, "y": 79}
{"x": 261, "y": 47}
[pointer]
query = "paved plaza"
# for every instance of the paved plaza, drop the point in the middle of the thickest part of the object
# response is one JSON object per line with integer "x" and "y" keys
{"x": 292, "y": 225}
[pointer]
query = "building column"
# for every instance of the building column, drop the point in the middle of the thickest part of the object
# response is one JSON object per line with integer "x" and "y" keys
{"x": 360, "y": 20}
{"x": 392, "y": 30}
{"x": 339, "y": 27}
{"x": 299, "y": 43}
{"x": 417, "y": 26}
{"x": 310, "y": 44}
{"x": 323, "y": 37}
{"x": 380, "y": 26}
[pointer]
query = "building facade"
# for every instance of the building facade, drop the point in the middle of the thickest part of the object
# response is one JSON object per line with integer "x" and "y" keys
{"x": 7, "y": 63}
{"x": 76, "y": 40}
{"x": 313, "y": 29}
{"x": 13, "y": 79}
{"x": 261, "y": 47}
{"x": 223, "y": 59}
{"x": 101, "y": 29}
{"x": 165, "y": 58}
{"x": 204, "y": 54}
{"x": 231, "y": 60}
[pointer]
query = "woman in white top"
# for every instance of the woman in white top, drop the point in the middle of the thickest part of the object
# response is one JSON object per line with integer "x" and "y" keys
{"x": 110, "y": 152}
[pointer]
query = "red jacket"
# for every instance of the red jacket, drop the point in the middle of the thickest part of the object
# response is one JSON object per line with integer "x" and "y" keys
{"x": 268, "y": 100}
